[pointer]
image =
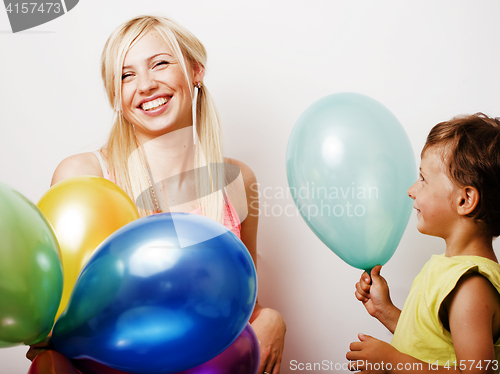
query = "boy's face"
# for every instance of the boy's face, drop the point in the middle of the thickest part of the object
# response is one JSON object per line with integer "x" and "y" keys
{"x": 435, "y": 195}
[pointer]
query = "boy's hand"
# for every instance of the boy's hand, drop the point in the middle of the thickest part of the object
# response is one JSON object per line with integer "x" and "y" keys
{"x": 374, "y": 294}
{"x": 371, "y": 355}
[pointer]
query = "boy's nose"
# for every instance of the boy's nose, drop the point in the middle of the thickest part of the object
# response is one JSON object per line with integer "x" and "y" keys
{"x": 411, "y": 191}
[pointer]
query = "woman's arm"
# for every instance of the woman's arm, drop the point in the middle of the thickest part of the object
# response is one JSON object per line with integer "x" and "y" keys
{"x": 268, "y": 324}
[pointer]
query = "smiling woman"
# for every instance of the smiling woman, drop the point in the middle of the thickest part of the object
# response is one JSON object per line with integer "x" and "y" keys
{"x": 145, "y": 62}
{"x": 166, "y": 128}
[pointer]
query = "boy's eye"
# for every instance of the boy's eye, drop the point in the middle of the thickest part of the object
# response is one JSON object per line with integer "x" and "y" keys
{"x": 422, "y": 178}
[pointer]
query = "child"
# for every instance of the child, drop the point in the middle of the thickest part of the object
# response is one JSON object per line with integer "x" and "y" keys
{"x": 451, "y": 319}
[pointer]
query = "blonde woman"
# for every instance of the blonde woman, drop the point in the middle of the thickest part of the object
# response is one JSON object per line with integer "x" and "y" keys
{"x": 165, "y": 146}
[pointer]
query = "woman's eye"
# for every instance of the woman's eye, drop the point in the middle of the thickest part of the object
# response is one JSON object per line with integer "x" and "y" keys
{"x": 126, "y": 75}
{"x": 162, "y": 63}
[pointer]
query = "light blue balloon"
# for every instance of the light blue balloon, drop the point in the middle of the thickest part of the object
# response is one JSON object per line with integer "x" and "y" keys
{"x": 349, "y": 166}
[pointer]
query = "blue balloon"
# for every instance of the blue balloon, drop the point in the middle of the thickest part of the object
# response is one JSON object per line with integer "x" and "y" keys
{"x": 349, "y": 164}
{"x": 146, "y": 303}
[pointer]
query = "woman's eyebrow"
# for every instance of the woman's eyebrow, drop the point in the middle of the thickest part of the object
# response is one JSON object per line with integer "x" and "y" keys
{"x": 149, "y": 59}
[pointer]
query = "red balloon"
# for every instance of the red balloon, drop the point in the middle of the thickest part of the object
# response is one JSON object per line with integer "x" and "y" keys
{"x": 52, "y": 362}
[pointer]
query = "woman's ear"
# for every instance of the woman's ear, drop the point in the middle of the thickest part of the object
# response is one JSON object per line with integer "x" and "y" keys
{"x": 199, "y": 72}
{"x": 469, "y": 198}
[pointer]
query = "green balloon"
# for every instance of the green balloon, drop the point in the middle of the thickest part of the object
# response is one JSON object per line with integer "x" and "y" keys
{"x": 30, "y": 271}
{"x": 349, "y": 164}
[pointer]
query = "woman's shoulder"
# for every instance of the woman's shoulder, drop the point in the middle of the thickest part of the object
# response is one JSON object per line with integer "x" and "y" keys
{"x": 242, "y": 191}
{"x": 246, "y": 172}
{"x": 85, "y": 163}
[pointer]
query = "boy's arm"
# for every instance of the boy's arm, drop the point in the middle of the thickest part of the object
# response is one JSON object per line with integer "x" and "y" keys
{"x": 375, "y": 297}
{"x": 473, "y": 310}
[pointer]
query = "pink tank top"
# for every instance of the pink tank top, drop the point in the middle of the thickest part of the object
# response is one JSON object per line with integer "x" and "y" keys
{"x": 231, "y": 219}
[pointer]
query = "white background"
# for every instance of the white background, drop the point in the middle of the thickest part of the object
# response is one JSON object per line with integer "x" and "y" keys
{"x": 425, "y": 60}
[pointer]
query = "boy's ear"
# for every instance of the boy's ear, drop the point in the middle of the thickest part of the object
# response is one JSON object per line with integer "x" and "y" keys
{"x": 469, "y": 198}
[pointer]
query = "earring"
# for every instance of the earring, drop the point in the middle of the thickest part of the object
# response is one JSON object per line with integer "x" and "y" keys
{"x": 197, "y": 86}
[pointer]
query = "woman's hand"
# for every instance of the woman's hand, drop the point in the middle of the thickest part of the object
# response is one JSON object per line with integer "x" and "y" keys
{"x": 38, "y": 348}
{"x": 270, "y": 328}
{"x": 376, "y": 298}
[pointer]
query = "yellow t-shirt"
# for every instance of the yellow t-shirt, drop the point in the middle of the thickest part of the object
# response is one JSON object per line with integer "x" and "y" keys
{"x": 419, "y": 332}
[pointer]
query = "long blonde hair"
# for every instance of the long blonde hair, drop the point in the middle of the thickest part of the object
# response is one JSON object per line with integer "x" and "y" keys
{"x": 127, "y": 163}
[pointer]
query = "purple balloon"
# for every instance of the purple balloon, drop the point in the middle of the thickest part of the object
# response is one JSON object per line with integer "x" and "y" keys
{"x": 241, "y": 357}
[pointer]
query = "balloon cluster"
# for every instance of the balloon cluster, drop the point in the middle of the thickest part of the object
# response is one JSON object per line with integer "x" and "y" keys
{"x": 173, "y": 293}
{"x": 132, "y": 295}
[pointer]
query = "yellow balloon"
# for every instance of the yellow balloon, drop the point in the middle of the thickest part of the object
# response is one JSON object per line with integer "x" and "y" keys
{"x": 83, "y": 211}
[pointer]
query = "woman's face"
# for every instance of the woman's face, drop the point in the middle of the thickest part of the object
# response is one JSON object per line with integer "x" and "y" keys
{"x": 156, "y": 96}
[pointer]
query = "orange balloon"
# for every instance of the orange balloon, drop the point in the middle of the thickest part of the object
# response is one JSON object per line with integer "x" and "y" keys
{"x": 83, "y": 211}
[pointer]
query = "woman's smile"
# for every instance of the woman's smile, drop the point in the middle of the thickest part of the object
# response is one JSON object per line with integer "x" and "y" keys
{"x": 156, "y": 105}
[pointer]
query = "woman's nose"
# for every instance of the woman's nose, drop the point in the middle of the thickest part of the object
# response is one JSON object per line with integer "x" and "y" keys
{"x": 147, "y": 82}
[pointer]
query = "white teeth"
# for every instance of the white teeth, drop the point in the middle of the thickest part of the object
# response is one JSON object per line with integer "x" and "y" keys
{"x": 153, "y": 104}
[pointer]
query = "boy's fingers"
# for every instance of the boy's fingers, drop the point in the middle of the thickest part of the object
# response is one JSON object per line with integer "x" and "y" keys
{"x": 355, "y": 346}
{"x": 363, "y": 292}
{"x": 364, "y": 337}
{"x": 364, "y": 286}
{"x": 353, "y": 366}
{"x": 360, "y": 297}
{"x": 376, "y": 271}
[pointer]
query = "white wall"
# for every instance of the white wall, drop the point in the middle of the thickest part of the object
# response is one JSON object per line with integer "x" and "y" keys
{"x": 268, "y": 61}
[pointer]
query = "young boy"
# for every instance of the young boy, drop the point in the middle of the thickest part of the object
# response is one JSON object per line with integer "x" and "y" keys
{"x": 450, "y": 321}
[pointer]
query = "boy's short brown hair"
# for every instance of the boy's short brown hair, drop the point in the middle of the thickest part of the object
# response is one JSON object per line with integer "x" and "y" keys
{"x": 471, "y": 147}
